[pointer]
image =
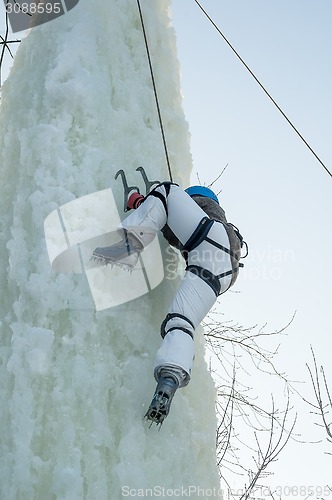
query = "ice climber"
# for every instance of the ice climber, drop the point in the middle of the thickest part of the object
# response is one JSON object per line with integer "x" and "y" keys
{"x": 193, "y": 222}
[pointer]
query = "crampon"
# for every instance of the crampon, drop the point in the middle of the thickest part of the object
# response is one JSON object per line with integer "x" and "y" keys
{"x": 122, "y": 265}
{"x": 124, "y": 253}
{"x": 161, "y": 401}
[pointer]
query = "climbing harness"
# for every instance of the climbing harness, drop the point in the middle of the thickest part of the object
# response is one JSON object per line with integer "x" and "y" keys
{"x": 198, "y": 236}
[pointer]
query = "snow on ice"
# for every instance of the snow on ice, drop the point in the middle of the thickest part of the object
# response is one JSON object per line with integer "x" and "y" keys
{"x": 75, "y": 383}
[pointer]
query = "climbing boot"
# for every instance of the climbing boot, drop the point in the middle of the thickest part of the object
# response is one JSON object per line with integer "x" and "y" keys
{"x": 125, "y": 252}
{"x": 162, "y": 398}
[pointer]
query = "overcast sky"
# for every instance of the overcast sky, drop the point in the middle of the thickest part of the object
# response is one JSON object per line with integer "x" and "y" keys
{"x": 273, "y": 188}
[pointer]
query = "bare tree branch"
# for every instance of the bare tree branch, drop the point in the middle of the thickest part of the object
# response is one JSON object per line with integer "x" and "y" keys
{"x": 5, "y": 43}
{"x": 272, "y": 451}
{"x": 244, "y": 426}
{"x": 323, "y": 403}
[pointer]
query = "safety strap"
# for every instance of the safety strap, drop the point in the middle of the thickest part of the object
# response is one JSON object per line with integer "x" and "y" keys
{"x": 170, "y": 316}
{"x": 158, "y": 195}
{"x": 199, "y": 235}
{"x": 167, "y": 185}
{"x": 240, "y": 237}
{"x": 211, "y": 279}
{"x": 224, "y": 249}
{"x": 227, "y": 273}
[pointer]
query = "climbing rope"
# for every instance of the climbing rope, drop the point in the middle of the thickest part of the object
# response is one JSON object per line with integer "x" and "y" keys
{"x": 263, "y": 88}
{"x": 155, "y": 92}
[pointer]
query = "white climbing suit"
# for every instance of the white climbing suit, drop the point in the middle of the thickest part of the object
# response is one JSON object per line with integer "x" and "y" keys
{"x": 201, "y": 284}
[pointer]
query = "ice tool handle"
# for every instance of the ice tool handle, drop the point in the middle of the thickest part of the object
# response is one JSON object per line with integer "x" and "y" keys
{"x": 129, "y": 189}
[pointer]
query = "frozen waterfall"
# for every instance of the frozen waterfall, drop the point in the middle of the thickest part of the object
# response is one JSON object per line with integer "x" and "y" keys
{"x": 76, "y": 382}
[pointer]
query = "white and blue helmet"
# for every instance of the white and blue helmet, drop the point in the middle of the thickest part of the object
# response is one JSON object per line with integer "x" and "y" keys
{"x": 202, "y": 191}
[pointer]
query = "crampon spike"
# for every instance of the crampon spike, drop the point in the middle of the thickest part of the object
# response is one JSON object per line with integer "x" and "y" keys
{"x": 161, "y": 401}
{"x": 105, "y": 262}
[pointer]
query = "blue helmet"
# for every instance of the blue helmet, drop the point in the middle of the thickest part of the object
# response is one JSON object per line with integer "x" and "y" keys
{"x": 201, "y": 191}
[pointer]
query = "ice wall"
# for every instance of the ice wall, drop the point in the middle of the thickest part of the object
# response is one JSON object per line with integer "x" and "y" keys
{"x": 75, "y": 383}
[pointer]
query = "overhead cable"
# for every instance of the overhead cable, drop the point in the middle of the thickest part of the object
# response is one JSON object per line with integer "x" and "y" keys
{"x": 264, "y": 89}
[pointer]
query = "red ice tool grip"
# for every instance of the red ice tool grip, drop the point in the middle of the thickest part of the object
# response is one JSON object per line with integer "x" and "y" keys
{"x": 134, "y": 200}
